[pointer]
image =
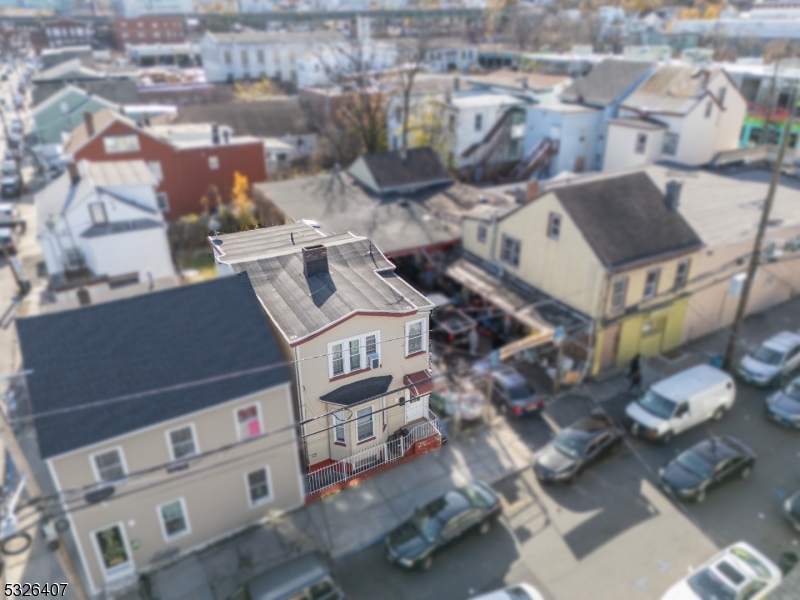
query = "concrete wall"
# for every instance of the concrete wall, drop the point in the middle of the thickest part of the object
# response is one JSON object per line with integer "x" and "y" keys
{"x": 214, "y": 491}
{"x": 315, "y": 381}
{"x": 712, "y": 307}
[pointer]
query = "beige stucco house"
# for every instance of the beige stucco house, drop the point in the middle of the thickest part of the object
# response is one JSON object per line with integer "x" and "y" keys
{"x": 357, "y": 335}
{"x": 166, "y": 423}
{"x": 612, "y": 248}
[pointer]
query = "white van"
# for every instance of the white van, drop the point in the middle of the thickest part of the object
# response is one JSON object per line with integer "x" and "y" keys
{"x": 681, "y": 401}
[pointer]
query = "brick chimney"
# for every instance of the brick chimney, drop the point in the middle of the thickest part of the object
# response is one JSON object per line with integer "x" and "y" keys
{"x": 315, "y": 260}
{"x": 88, "y": 121}
{"x": 531, "y": 190}
{"x": 74, "y": 174}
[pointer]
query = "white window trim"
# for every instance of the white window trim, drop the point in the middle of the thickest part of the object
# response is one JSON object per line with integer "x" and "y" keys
{"x": 213, "y": 162}
{"x": 122, "y": 460}
{"x": 265, "y": 500}
{"x": 344, "y": 427}
{"x": 236, "y": 420}
{"x": 372, "y": 418}
{"x": 113, "y": 572}
{"x": 424, "y": 335}
{"x": 185, "y": 532}
{"x": 362, "y": 345}
{"x": 194, "y": 439}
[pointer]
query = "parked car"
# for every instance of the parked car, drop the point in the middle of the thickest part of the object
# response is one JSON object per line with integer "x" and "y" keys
{"x": 10, "y": 186}
{"x": 681, "y": 401}
{"x": 791, "y": 510}
{"x": 521, "y": 591}
{"x": 784, "y": 405}
{"x": 705, "y": 466}
{"x": 777, "y": 357}
{"x": 576, "y": 447}
{"x": 308, "y": 577}
{"x": 413, "y": 543}
{"x": 467, "y": 404}
{"x": 9, "y": 166}
{"x": 513, "y": 395}
{"x": 8, "y": 212}
{"x": 451, "y": 326}
{"x": 7, "y": 239}
{"x": 738, "y": 572}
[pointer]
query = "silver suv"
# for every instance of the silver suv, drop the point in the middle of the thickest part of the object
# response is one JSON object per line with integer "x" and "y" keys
{"x": 777, "y": 357}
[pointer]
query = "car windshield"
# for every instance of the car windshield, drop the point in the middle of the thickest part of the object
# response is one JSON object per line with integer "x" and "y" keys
{"x": 793, "y": 390}
{"x": 571, "y": 442}
{"x": 519, "y": 392}
{"x": 751, "y": 561}
{"x": 476, "y": 496}
{"x": 657, "y": 405}
{"x": 710, "y": 586}
{"x": 768, "y": 356}
{"x": 694, "y": 463}
{"x": 427, "y": 526}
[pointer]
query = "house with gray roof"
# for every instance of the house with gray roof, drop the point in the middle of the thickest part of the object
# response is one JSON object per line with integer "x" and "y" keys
{"x": 570, "y": 135}
{"x": 168, "y": 416}
{"x": 358, "y": 335}
{"x": 100, "y": 228}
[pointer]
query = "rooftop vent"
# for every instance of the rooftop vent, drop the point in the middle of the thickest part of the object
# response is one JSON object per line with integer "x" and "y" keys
{"x": 673, "y": 195}
{"x": 315, "y": 260}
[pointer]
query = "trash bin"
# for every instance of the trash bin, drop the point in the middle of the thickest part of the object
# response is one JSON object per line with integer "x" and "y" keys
{"x": 717, "y": 361}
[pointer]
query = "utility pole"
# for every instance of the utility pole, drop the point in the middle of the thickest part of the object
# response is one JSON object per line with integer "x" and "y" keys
{"x": 21, "y": 462}
{"x": 755, "y": 256}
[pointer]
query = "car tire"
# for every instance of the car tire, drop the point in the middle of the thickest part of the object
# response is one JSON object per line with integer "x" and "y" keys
{"x": 745, "y": 472}
{"x": 426, "y": 564}
{"x": 666, "y": 438}
{"x": 719, "y": 413}
{"x": 484, "y": 527}
{"x": 700, "y": 497}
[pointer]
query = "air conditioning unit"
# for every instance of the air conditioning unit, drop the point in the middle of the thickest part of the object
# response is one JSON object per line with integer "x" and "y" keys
{"x": 374, "y": 360}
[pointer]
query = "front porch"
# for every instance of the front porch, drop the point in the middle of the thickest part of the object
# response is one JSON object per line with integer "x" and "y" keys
{"x": 414, "y": 439}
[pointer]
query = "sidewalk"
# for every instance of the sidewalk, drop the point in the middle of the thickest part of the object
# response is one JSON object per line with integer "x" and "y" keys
{"x": 348, "y": 521}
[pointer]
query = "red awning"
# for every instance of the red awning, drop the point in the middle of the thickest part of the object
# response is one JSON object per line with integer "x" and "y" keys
{"x": 420, "y": 383}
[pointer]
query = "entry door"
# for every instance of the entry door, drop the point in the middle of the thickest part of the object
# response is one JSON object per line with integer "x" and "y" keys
{"x": 111, "y": 544}
{"x": 610, "y": 346}
{"x": 416, "y": 409}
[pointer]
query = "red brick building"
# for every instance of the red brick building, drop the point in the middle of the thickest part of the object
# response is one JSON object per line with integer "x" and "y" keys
{"x": 147, "y": 30}
{"x": 190, "y": 161}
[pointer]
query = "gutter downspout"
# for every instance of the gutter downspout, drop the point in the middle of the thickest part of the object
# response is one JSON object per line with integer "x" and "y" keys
{"x": 301, "y": 407}
{"x": 494, "y": 236}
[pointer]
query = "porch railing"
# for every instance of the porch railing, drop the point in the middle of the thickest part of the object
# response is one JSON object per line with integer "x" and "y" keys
{"x": 371, "y": 458}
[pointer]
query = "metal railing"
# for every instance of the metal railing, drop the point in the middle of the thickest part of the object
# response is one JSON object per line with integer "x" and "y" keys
{"x": 372, "y": 457}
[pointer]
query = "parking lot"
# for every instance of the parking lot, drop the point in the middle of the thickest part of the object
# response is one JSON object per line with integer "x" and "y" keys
{"x": 614, "y": 530}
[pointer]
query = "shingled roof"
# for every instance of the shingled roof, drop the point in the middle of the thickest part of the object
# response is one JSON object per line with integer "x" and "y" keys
{"x": 268, "y": 118}
{"x": 400, "y": 170}
{"x": 606, "y": 82}
{"x": 625, "y": 219}
{"x": 150, "y": 342}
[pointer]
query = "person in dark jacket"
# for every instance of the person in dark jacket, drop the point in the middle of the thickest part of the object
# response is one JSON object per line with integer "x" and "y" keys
{"x": 635, "y": 375}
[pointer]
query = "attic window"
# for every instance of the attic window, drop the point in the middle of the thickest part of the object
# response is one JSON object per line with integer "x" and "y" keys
{"x": 482, "y": 233}
{"x": 554, "y": 226}
{"x": 721, "y": 95}
{"x": 641, "y": 143}
{"x": 709, "y": 108}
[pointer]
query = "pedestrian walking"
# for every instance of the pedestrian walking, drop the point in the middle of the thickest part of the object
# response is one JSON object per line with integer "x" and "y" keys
{"x": 635, "y": 375}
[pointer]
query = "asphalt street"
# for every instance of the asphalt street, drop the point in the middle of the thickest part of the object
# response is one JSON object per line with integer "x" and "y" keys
{"x": 613, "y": 534}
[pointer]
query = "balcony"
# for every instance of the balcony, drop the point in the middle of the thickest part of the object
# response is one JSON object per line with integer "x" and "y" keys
{"x": 415, "y": 439}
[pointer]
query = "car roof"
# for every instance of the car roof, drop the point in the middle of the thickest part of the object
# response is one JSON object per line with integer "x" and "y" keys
{"x": 593, "y": 424}
{"x": 717, "y": 449}
{"x": 689, "y": 382}
{"x": 288, "y": 578}
{"x": 783, "y": 341}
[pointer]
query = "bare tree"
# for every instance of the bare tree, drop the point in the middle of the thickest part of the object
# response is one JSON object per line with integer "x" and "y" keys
{"x": 524, "y": 29}
{"x": 411, "y": 61}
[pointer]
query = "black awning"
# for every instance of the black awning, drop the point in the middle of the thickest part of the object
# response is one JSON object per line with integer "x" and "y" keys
{"x": 358, "y": 391}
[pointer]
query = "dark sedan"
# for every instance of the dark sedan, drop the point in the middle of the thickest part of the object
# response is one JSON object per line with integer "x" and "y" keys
{"x": 413, "y": 543}
{"x": 705, "y": 466}
{"x": 791, "y": 510}
{"x": 576, "y": 447}
{"x": 513, "y": 395}
{"x": 784, "y": 405}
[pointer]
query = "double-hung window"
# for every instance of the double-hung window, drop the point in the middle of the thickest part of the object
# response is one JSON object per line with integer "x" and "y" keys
{"x": 682, "y": 274}
{"x": 618, "y": 293}
{"x": 366, "y": 427}
{"x": 510, "y": 250}
{"x": 415, "y": 336}
{"x": 482, "y": 230}
{"x": 174, "y": 522}
{"x": 651, "y": 284}
{"x": 259, "y": 487}
{"x": 109, "y": 465}
{"x": 353, "y": 354}
{"x": 338, "y": 427}
{"x": 248, "y": 421}
{"x": 554, "y": 226}
{"x": 181, "y": 442}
